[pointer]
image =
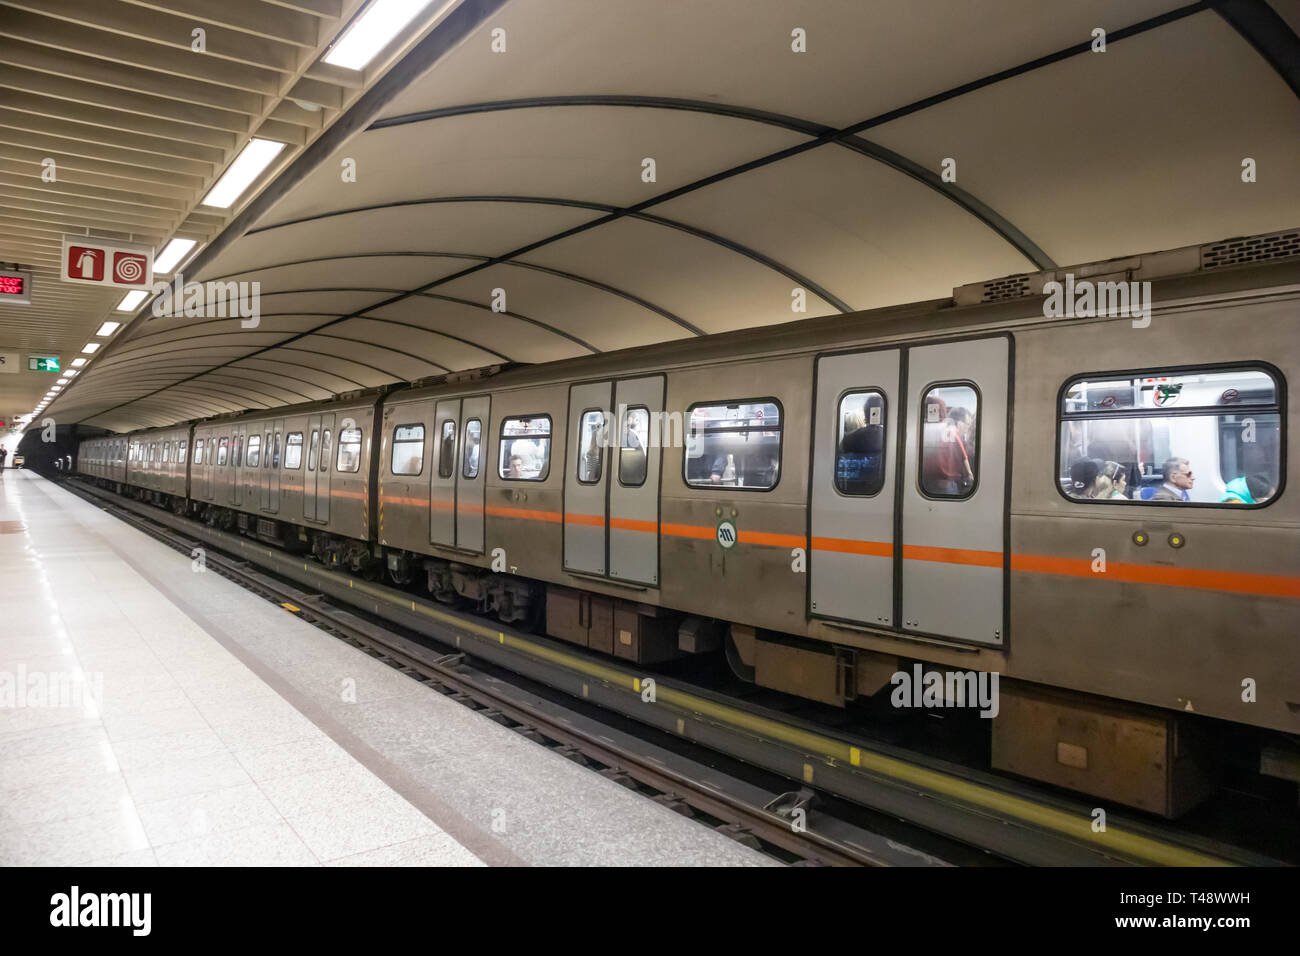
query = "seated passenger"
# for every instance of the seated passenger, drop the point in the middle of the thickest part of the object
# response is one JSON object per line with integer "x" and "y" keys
{"x": 1178, "y": 482}
{"x": 1111, "y": 482}
{"x": 1083, "y": 478}
{"x": 516, "y": 467}
{"x": 1248, "y": 490}
{"x": 723, "y": 470}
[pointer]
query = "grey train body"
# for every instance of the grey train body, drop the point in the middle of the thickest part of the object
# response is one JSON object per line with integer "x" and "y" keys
{"x": 739, "y": 525}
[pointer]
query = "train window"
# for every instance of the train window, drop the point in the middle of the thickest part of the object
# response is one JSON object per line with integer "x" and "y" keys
{"x": 223, "y": 450}
{"x": 733, "y": 445}
{"x": 591, "y": 446}
{"x": 860, "y": 447}
{"x": 293, "y": 450}
{"x": 447, "y": 449}
{"x": 237, "y": 452}
{"x": 949, "y": 441}
{"x": 349, "y": 449}
{"x": 408, "y": 450}
{"x": 1210, "y": 437}
{"x": 325, "y": 450}
{"x": 313, "y": 450}
{"x": 275, "y": 452}
{"x": 266, "y": 449}
{"x": 180, "y": 451}
{"x": 525, "y": 448}
{"x": 632, "y": 447}
{"x": 198, "y": 451}
{"x": 254, "y": 450}
{"x": 473, "y": 438}
{"x": 167, "y": 448}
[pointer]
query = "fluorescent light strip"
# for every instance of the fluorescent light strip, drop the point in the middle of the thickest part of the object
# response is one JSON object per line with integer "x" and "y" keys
{"x": 372, "y": 31}
{"x": 132, "y": 300}
{"x": 91, "y": 347}
{"x": 78, "y": 362}
{"x": 248, "y": 165}
{"x": 108, "y": 328}
{"x": 173, "y": 252}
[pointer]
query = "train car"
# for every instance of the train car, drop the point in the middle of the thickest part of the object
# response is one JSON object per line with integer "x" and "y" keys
{"x": 157, "y": 465}
{"x": 298, "y": 476}
{"x": 104, "y": 459}
{"x": 839, "y": 499}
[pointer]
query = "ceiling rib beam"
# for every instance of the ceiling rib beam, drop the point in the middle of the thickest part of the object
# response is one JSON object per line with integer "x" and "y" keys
{"x": 168, "y": 30}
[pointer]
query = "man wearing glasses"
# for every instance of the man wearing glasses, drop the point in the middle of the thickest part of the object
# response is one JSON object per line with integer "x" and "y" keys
{"x": 1178, "y": 481}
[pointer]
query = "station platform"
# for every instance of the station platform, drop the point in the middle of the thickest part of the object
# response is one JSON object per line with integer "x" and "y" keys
{"x": 155, "y": 714}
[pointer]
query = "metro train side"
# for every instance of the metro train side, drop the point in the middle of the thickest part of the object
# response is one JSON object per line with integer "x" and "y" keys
{"x": 1190, "y": 611}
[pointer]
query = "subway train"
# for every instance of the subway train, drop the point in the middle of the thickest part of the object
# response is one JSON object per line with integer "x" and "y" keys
{"x": 1091, "y": 505}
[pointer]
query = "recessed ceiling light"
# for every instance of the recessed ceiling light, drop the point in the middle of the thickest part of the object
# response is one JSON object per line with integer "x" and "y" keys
{"x": 172, "y": 253}
{"x": 108, "y": 328}
{"x": 248, "y": 165}
{"x": 370, "y": 32}
{"x": 56, "y": 388}
{"x": 63, "y": 381}
{"x": 71, "y": 372}
{"x": 91, "y": 347}
{"x": 131, "y": 300}
{"x": 78, "y": 362}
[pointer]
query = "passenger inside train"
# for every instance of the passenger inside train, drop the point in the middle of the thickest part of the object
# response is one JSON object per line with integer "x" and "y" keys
{"x": 735, "y": 445}
{"x": 1170, "y": 439}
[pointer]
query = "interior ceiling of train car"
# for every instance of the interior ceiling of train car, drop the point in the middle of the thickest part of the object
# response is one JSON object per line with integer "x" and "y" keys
{"x": 530, "y": 180}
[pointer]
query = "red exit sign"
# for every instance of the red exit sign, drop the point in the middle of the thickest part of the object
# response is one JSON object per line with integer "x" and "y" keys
{"x": 15, "y": 287}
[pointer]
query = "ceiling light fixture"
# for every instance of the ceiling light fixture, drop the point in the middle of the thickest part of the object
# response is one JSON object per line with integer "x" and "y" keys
{"x": 108, "y": 328}
{"x": 174, "y": 252}
{"x": 91, "y": 347}
{"x": 132, "y": 300}
{"x": 78, "y": 362}
{"x": 372, "y": 31}
{"x": 248, "y": 165}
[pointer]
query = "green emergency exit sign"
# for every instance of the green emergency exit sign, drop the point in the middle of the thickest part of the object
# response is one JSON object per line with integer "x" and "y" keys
{"x": 42, "y": 363}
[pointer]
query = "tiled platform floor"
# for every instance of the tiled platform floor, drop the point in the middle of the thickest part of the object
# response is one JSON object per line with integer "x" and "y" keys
{"x": 212, "y": 727}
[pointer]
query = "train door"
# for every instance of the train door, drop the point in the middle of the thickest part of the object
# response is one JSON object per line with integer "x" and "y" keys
{"x": 953, "y": 496}
{"x": 323, "y": 469}
{"x": 851, "y": 569}
{"x": 442, "y": 473}
{"x": 264, "y": 476}
{"x": 634, "y": 480}
{"x": 584, "y": 478}
{"x": 237, "y": 440}
{"x": 277, "y": 462}
{"x": 309, "y": 475}
{"x": 471, "y": 480}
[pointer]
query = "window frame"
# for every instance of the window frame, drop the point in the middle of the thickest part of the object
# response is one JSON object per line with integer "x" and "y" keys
{"x": 361, "y": 440}
{"x": 1277, "y": 407}
{"x": 257, "y": 463}
{"x": 884, "y": 446}
{"x": 645, "y": 451}
{"x": 724, "y": 402}
{"x": 577, "y": 464}
{"x": 979, "y": 438}
{"x": 550, "y": 437}
{"x": 478, "y": 462}
{"x": 392, "y": 452}
{"x": 223, "y": 451}
{"x": 299, "y": 446}
{"x": 442, "y": 445}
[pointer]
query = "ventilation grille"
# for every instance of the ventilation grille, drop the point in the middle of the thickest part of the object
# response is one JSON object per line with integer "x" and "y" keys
{"x": 1235, "y": 252}
{"x": 1010, "y": 287}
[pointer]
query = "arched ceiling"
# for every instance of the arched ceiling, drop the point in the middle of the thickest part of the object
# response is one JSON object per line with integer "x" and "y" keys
{"x": 522, "y": 171}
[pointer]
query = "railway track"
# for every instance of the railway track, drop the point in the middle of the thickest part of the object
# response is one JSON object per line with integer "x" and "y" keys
{"x": 973, "y": 810}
